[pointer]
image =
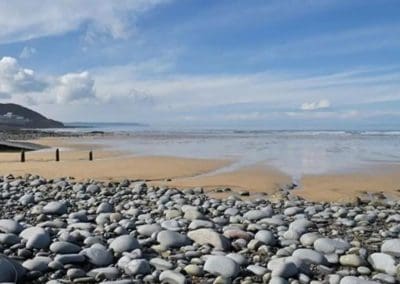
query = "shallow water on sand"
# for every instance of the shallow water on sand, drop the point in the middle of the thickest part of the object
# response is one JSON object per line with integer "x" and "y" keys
{"x": 296, "y": 153}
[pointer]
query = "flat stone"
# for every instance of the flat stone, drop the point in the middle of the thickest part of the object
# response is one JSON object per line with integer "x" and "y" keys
{"x": 292, "y": 211}
{"x": 355, "y": 280}
{"x": 161, "y": 264}
{"x": 110, "y": 273}
{"x": 93, "y": 188}
{"x": 273, "y": 221}
{"x": 64, "y": 247}
{"x": 231, "y": 211}
{"x": 219, "y": 265}
{"x": 326, "y": 245}
{"x": 308, "y": 239}
{"x": 297, "y": 228}
{"x": 198, "y": 224}
{"x": 278, "y": 280}
{"x": 172, "y": 214}
{"x": 391, "y": 247}
{"x": 39, "y": 263}
{"x": 238, "y": 258}
{"x": 383, "y": 262}
{"x": 98, "y": 255}
{"x": 191, "y": 213}
{"x": 384, "y": 278}
{"x": 27, "y": 199}
{"x": 38, "y": 240}
{"x": 148, "y": 229}
{"x": 310, "y": 256}
{"x": 170, "y": 239}
{"x": 10, "y": 226}
{"x": 69, "y": 258}
{"x": 104, "y": 207}
{"x": 353, "y": 260}
{"x": 137, "y": 266}
{"x": 55, "y": 208}
{"x": 209, "y": 236}
{"x": 28, "y": 232}
{"x": 254, "y": 215}
{"x": 124, "y": 243}
{"x": 235, "y": 233}
{"x": 74, "y": 273}
{"x": 194, "y": 270}
{"x": 266, "y": 237}
{"x": 257, "y": 270}
{"x": 172, "y": 277}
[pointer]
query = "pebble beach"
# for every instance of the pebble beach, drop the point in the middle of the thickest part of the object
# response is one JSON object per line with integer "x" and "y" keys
{"x": 199, "y": 142}
{"x": 65, "y": 231}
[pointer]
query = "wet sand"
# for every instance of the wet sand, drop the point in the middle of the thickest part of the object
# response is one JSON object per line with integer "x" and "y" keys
{"x": 346, "y": 187}
{"x": 161, "y": 170}
{"x": 188, "y": 172}
{"x": 106, "y": 166}
{"x": 256, "y": 179}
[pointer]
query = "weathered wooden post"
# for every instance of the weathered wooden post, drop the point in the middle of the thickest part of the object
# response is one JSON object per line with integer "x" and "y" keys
{"x": 91, "y": 155}
{"x": 57, "y": 155}
{"x": 22, "y": 156}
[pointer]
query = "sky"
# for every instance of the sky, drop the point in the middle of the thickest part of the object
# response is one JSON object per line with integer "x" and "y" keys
{"x": 284, "y": 64}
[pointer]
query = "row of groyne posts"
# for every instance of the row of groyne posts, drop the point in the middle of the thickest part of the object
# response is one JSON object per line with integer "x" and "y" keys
{"x": 57, "y": 157}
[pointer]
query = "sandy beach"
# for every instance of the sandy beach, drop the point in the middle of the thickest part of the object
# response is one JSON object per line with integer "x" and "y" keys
{"x": 160, "y": 170}
{"x": 193, "y": 172}
{"x": 106, "y": 166}
{"x": 346, "y": 187}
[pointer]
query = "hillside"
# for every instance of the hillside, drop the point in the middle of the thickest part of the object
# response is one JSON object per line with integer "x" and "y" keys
{"x": 13, "y": 115}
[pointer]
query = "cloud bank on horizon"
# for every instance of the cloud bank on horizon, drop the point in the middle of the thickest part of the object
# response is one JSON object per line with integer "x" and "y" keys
{"x": 265, "y": 64}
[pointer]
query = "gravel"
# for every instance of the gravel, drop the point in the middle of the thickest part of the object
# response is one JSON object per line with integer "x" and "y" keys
{"x": 63, "y": 231}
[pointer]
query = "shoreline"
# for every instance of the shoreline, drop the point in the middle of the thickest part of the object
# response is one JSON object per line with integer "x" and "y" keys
{"x": 255, "y": 180}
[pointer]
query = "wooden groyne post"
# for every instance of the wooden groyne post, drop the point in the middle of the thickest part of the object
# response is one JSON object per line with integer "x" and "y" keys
{"x": 22, "y": 156}
{"x": 57, "y": 155}
{"x": 90, "y": 155}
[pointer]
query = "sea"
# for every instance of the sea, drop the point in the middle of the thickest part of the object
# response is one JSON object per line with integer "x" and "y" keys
{"x": 294, "y": 152}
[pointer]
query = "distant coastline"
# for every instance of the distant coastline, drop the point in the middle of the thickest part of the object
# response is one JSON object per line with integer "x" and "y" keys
{"x": 80, "y": 124}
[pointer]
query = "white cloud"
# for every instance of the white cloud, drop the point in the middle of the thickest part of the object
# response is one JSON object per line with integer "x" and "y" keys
{"x": 346, "y": 114}
{"x": 322, "y": 104}
{"x": 271, "y": 91}
{"x": 20, "y": 83}
{"x": 16, "y": 79}
{"x": 74, "y": 87}
{"x": 240, "y": 97}
{"x": 23, "y": 20}
{"x": 27, "y": 52}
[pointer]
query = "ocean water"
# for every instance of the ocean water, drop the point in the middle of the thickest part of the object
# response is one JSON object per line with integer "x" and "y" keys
{"x": 295, "y": 153}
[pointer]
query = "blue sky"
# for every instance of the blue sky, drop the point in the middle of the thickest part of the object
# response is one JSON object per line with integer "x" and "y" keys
{"x": 258, "y": 64}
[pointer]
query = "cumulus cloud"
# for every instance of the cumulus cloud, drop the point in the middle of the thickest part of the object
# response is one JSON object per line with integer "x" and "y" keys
{"x": 16, "y": 79}
{"x": 27, "y": 52}
{"x": 19, "y": 83}
{"x": 322, "y": 104}
{"x": 73, "y": 87}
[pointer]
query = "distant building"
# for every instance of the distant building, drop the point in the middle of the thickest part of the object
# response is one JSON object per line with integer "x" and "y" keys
{"x": 12, "y": 119}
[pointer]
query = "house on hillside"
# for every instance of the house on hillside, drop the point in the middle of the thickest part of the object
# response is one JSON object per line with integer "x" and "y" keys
{"x": 13, "y": 120}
